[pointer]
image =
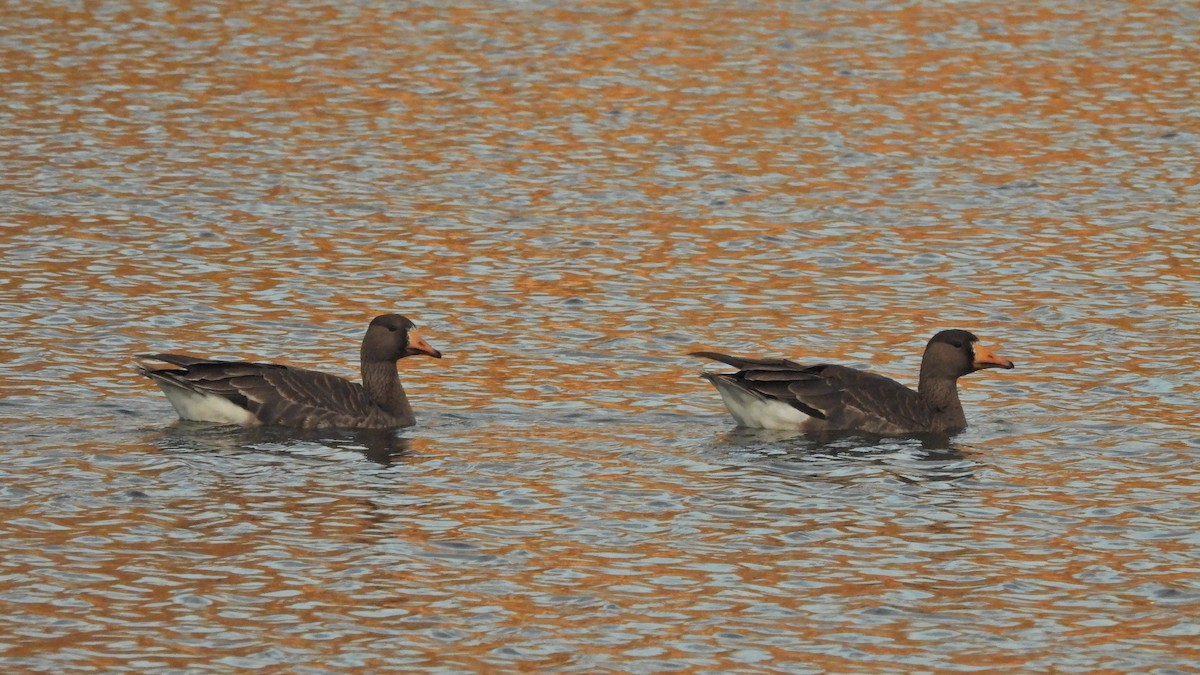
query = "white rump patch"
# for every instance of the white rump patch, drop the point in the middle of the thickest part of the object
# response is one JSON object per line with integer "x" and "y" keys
{"x": 198, "y": 407}
{"x": 760, "y": 413}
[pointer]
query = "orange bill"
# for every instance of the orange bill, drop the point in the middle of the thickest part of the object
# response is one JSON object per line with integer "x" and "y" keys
{"x": 986, "y": 358}
{"x": 418, "y": 345}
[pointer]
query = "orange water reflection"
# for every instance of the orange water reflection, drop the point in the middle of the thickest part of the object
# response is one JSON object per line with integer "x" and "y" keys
{"x": 567, "y": 200}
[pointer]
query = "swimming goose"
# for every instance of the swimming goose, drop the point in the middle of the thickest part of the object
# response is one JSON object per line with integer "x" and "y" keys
{"x": 250, "y": 394}
{"x": 781, "y": 394}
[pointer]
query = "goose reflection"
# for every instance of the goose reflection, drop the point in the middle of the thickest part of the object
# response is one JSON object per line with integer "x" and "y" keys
{"x": 382, "y": 446}
{"x": 911, "y": 458}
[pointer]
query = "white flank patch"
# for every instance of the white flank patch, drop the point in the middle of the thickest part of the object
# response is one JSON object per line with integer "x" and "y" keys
{"x": 751, "y": 411}
{"x": 204, "y": 407}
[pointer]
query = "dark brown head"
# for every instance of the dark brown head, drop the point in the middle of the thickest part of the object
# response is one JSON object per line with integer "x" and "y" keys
{"x": 954, "y": 353}
{"x": 391, "y": 337}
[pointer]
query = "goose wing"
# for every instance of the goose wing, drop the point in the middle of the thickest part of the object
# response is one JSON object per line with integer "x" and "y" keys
{"x": 274, "y": 394}
{"x": 842, "y": 397}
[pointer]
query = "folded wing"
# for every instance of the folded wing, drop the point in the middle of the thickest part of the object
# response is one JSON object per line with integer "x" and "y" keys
{"x": 838, "y": 396}
{"x": 274, "y": 394}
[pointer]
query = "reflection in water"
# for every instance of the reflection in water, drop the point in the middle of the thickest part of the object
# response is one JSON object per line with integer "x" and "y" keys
{"x": 579, "y": 194}
{"x": 918, "y": 457}
{"x": 379, "y": 446}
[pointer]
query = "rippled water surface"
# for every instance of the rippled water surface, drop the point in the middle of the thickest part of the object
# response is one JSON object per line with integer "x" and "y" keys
{"x": 567, "y": 198}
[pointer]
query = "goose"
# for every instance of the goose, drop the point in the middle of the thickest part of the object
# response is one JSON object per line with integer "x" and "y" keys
{"x": 252, "y": 394}
{"x": 782, "y": 394}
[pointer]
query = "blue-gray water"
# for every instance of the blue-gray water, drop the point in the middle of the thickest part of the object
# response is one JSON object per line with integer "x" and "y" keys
{"x": 568, "y": 198}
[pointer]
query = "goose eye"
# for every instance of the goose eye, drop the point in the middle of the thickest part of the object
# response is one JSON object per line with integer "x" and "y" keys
{"x": 957, "y": 344}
